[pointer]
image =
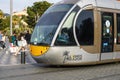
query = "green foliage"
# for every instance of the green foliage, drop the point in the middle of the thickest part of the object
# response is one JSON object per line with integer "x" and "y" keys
{"x": 19, "y": 30}
{"x": 1, "y": 14}
{"x": 35, "y": 11}
{"x": 4, "y": 23}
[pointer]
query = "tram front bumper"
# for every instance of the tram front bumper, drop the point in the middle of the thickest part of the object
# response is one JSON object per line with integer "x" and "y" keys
{"x": 38, "y": 50}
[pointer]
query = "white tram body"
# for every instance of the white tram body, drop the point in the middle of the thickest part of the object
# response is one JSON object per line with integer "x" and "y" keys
{"x": 76, "y": 32}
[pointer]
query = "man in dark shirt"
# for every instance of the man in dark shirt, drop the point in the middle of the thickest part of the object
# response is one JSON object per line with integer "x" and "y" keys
{"x": 27, "y": 37}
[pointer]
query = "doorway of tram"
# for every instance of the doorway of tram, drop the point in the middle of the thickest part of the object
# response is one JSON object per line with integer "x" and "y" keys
{"x": 107, "y": 38}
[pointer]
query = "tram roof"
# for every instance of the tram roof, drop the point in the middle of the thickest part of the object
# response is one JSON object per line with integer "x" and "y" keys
{"x": 115, "y": 4}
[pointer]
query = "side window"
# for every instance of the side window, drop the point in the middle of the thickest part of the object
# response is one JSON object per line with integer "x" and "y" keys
{"x": 65, "y": 36}
{"x": 85, "y": 28}
{"x": 118, "y": 28}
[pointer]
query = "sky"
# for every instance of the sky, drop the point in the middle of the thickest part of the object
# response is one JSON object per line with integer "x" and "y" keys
{"x": 19, "y": 5}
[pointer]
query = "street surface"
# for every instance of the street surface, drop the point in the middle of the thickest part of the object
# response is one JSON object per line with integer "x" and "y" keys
{"x": 12, "y": 69}
{"x": 7, "y": 58}
{"x": 44, "y": 72}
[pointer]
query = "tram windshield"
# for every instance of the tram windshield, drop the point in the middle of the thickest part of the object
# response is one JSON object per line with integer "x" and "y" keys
{"x": 47, "y": 25}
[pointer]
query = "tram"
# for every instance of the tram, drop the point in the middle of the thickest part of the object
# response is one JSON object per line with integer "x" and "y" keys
{"x": 78, "y": 32}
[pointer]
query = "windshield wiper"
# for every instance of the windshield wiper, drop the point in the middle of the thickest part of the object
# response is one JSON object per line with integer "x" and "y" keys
{"x": 45, "y": 44}
{"x": 42, "y": 44}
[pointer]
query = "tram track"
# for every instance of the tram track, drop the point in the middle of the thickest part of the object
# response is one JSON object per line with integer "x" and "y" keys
{"x": 38, "y": 69}
{"x": 41, "y": 71}
{"x": 12, "y": 76}
{"x": 105, "y": 77}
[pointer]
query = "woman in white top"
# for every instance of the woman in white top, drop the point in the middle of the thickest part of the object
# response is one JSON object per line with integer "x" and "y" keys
{"x": 21, "y": 43}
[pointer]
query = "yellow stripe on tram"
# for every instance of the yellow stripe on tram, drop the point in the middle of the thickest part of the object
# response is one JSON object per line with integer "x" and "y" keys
{"x": 38, "y": 50}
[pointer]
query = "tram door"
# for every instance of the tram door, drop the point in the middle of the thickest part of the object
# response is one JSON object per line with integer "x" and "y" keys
{"x": 107, "y": 35}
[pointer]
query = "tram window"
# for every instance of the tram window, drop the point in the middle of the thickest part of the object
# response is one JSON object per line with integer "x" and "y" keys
{"x": 118, "y": 28}
{"x": 65, "y": 36}
{"x": 85, "y": 28}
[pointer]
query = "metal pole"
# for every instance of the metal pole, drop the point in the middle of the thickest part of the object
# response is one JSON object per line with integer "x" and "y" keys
{"x": 23, "y": 56}
{"x": 11, "y": 11}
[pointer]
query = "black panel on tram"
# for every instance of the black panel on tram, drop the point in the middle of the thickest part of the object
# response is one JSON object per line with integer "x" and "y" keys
{"x": 107, "y": 32}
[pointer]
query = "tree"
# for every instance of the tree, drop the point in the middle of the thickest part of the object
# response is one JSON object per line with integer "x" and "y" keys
{"x": 1, "y": 18}
{"x": 35, "y": 11}
{"x": 1, "y": 14}
{"x": 5, "y": 23}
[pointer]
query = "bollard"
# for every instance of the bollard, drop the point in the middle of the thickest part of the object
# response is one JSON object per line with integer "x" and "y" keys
{"x": 23, "y": 57}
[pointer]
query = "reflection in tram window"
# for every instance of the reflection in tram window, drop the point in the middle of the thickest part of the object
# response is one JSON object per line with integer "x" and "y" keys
{"x": 85, "y": 28}
{"x": 47, "y": 25}
{"x": 66, "y": 37}
{"x": 118, "y": 28}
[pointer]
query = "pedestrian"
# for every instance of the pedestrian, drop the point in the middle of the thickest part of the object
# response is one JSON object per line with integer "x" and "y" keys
{"x": 0, "y": 35}
{"x": 27, "y": 37}
{"x": 14, "y": 39}
{"x": 21, "y": 43}
{"x": 2, "y": 40}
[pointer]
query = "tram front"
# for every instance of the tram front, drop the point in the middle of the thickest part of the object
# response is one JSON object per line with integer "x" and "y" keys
{"x": 54, "y": 39}
{"x": 45, "y": 30}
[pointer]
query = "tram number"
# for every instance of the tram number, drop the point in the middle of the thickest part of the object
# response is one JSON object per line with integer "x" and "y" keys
{"x": 73, "y": 57}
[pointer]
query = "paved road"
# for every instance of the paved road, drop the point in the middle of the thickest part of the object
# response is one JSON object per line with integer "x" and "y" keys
{"x": 34, "y": 71}
{"x": 7, "y": 58}
{"x": 44, "y": 72}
